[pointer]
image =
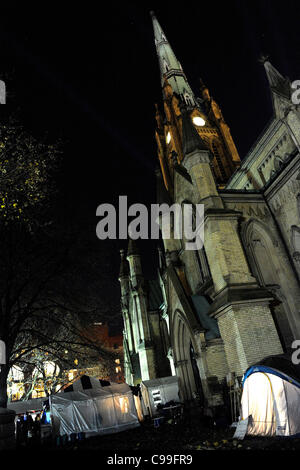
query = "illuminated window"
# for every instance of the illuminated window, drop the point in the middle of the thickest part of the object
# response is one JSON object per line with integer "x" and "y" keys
{"x": 117, "y": 361}
{"x": 168, "y": 138}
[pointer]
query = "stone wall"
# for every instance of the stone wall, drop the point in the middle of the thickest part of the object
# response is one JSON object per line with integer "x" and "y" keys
{"x": 249, "y": 334}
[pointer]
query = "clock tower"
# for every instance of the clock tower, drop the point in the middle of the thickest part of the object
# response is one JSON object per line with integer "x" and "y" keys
{"x": 205, "y": 113}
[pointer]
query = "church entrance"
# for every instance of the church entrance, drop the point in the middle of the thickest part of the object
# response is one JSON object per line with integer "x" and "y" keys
{"x": 185, "y": 359}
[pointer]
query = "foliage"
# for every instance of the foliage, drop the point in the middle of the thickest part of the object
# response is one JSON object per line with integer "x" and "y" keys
{"x": 27, "y": 166}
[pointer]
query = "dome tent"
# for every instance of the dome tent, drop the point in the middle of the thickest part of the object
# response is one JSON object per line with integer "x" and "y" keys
{"x": 271, "y": 397}
{"x": 94, "y": 407}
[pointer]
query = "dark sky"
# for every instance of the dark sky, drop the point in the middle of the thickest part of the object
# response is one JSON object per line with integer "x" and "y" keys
{"x": 90, "y": 77}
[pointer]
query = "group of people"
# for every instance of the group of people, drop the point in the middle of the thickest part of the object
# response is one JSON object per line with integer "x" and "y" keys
{"x": 28, "y": 430}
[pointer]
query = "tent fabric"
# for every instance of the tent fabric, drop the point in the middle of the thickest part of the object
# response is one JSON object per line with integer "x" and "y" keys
{"x": 271, "y": 397}
{"x": 270, "y": 370}
{"x": 159, "y": 391}
{"x": 21, "y": 407}
{"x": 97, "y": 410}
{"x": 85, "y": 382}
{"x": 282, "y": 363}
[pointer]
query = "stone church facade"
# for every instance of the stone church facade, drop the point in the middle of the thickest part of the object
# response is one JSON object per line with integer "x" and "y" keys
{"x": 218, "y": 309}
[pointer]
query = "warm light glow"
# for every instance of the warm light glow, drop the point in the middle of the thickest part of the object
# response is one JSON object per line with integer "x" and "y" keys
{"x": 124, "y": 404}
{"x": 168, "y": 139}
{"x": 117, "y": 361}
{"x": 198, "y": 121}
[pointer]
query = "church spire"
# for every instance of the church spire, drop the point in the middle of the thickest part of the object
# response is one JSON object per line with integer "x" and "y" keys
{"x": 170, "y": 67}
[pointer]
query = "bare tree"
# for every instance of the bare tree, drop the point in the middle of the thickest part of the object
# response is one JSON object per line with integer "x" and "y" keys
{"x": 44, "y": 305}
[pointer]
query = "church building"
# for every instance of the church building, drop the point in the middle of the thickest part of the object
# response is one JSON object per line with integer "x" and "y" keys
{"x": 217, "y": 310}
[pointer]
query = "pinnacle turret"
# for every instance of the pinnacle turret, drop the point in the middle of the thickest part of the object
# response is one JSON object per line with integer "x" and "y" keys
{"x": 278, "y": 84}
{"x": 124, "y": 266}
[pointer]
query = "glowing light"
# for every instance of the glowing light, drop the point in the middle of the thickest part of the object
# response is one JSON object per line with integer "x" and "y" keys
{"x": 168, "y": 138}
{"x": 198, "y": 121}
{"x": 124, "y": 404}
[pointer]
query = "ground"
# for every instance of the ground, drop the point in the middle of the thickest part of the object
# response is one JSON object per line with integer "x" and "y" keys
{"x": 187, "y": 436}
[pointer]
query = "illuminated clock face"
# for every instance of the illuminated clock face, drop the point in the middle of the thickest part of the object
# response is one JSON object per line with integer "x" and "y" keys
{"x": 168, "y": 138}
{"x": 198, "y": 121}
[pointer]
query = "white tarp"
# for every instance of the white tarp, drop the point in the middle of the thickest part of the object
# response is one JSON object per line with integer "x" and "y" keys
{"x": 271, "y": 404}
{"x": 99, "y": 410}
{"x": 20, "y": 407}
{"x": 158, "y": 391}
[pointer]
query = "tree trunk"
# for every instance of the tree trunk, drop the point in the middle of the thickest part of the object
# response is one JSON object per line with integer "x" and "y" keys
{"x": 3, "y": 385}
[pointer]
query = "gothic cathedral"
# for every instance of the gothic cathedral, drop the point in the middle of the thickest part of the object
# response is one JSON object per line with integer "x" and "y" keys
{"x": 218, "y": 309}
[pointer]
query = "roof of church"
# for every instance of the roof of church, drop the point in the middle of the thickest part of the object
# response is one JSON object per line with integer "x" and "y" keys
{"x": 278, "y": 83}
{"x": 155, "y": 297}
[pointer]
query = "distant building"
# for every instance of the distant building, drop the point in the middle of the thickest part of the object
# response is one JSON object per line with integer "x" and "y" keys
{"x": 47, "y": 375}
{"x": 218, "y": 309}
{"x": 100, "y": 333}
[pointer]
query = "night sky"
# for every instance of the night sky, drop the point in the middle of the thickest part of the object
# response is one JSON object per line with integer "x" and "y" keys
{"x": 90, "y": 77}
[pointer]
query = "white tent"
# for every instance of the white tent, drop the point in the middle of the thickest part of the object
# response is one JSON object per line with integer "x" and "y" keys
{"x": 21, "y": 407}
{"x": 159, "y": 391}
{"x": 94, "y": 407}
{"x": 271, "y": 398}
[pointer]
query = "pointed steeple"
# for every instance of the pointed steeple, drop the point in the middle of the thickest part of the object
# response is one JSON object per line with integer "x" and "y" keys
{"x": 278, "y": 83}
{"x": 170, "y": 67}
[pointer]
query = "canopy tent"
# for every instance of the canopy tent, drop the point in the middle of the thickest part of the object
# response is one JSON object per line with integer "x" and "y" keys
{"x": 271, "y": 397}
{"x": 94, "y": 407}
{"x": 159, "y": 391}
{"x": 21, "y": 407}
